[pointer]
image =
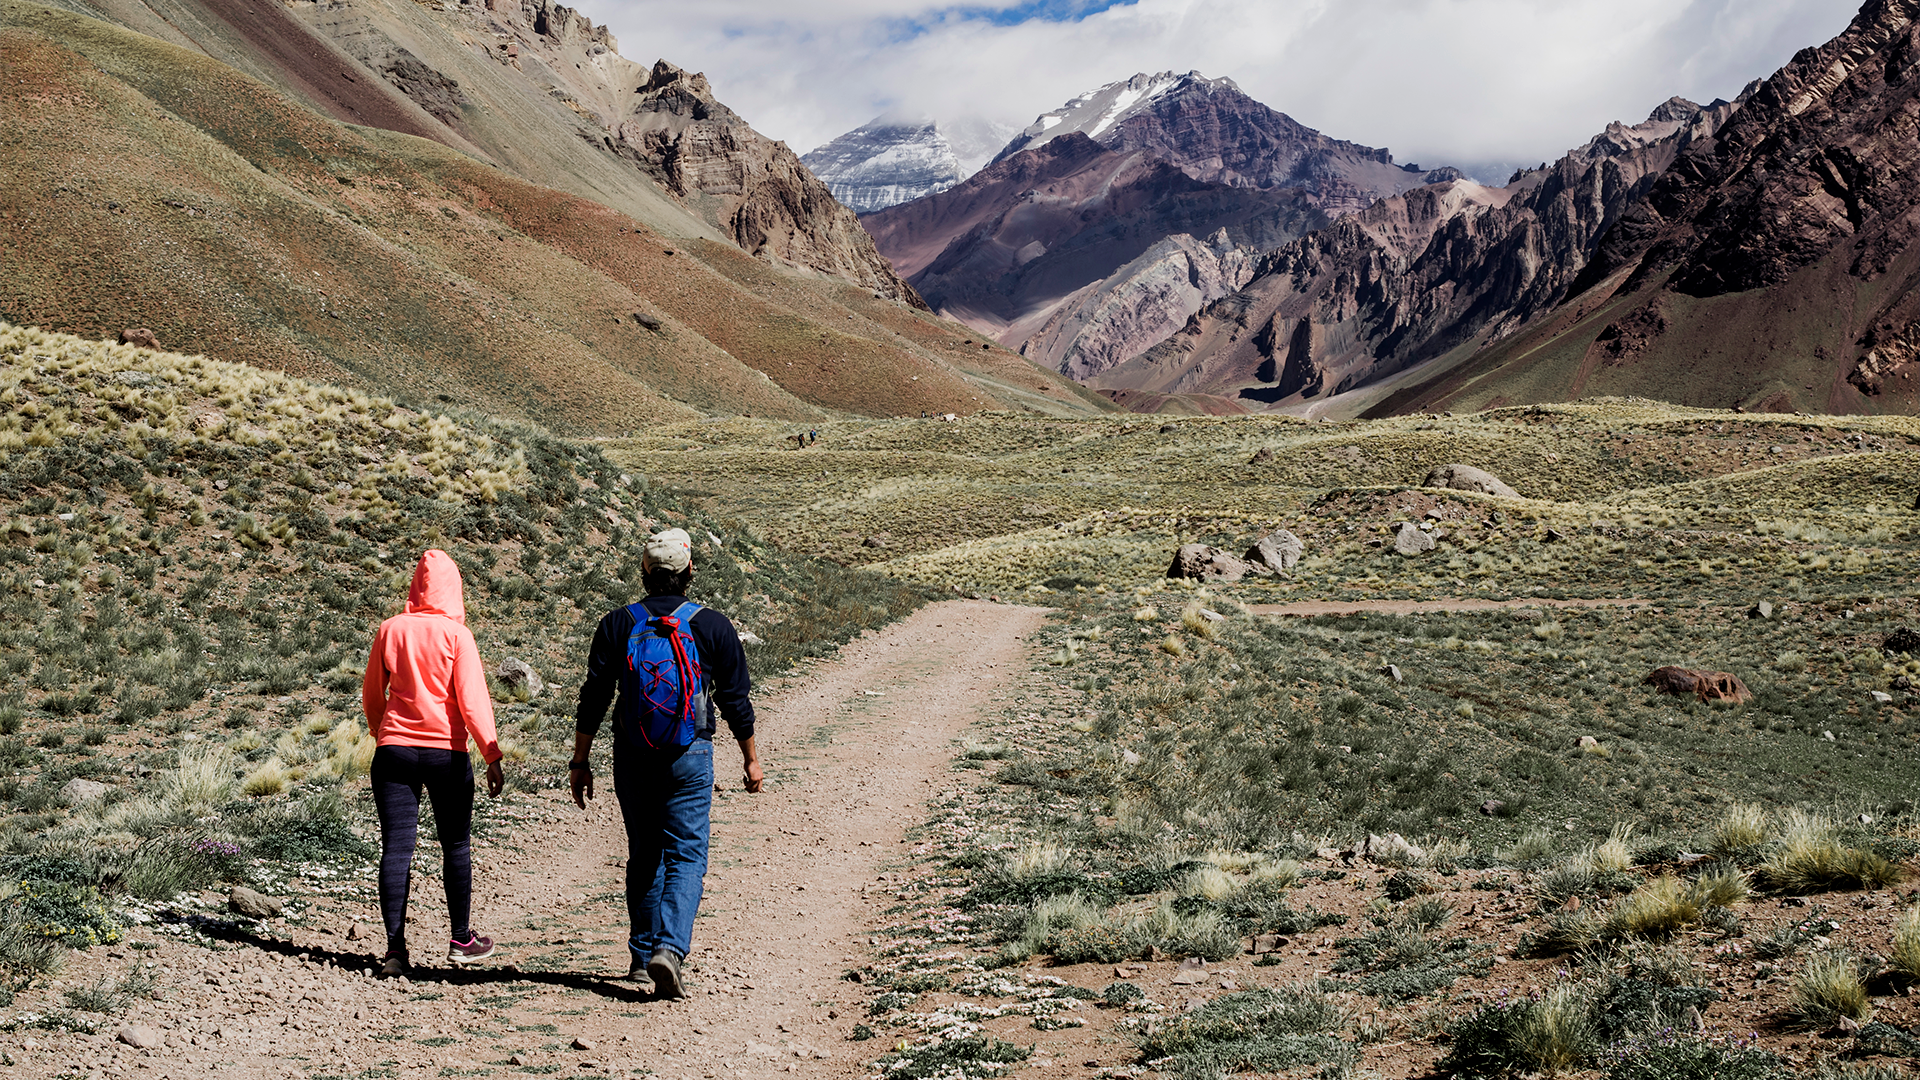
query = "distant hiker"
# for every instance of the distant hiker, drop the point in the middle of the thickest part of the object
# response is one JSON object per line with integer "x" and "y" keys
{"x": 675, "y": 664}
{"x": 424, "y": 693}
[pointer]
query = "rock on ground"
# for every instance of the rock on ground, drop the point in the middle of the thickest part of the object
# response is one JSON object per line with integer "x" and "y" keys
{"x": 1412, "y": 540}
{"x": 519, "y": 674}
{"x": 1468, "y": 478}
{"x": 1278, "y": 551}
{"x": 253, "y": 905}
{"x": 78, "y": 792}
{"x": 1205, "y": 561}
{"x": 1705, "y": 685}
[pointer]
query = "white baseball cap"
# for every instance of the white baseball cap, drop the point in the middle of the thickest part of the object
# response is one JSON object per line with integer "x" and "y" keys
{"x": 671, "y": 549}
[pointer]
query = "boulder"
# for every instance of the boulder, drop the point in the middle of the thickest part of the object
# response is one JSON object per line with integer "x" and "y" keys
{"x": 1412, "y": 540}
{"x": 248, "y": 904}
{"x": 1492, "y": 807}
{"x": 1882, "y": 697}
{"x": 1392, "y": 671}
{"x": 1902, "y": 640}
{"x": 79, "y": 792}
{"x": 519, "y": 675}
{"x": 1278, "y": 551}
{"x": 140, "y": 1037}
{"x": 650, "y": 322}
{"x": 1586, "y": 742}
{"x": 1391, "y": 848}
{"x": 1468, "y": 478}
{"x": 1261, "y": 456}
{"x": 1202, "y": 561}
{"x": 1761, "y": 610}
{"x": 1705, "y": 685}
{"x": 141, "y": 337}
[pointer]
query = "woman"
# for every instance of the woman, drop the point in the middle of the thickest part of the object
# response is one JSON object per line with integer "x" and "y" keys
{"x": 424, "y": 694}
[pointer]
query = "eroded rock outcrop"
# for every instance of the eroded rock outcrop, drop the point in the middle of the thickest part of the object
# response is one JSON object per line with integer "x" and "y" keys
{"x": 754, "y": 189}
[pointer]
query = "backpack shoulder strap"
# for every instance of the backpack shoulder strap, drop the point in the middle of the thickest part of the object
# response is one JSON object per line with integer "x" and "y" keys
{"x": 685, "y": 613}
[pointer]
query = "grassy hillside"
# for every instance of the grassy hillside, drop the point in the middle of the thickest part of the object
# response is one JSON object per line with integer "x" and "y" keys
{"x": 1003, "y": 502}
{"x": 154, "y": 187}
{"x": 194, "y": 554}
{"x": 1192, "y": 775}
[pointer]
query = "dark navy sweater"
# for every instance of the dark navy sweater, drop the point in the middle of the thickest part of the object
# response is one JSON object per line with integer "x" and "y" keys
{"x": 722, "y": 660}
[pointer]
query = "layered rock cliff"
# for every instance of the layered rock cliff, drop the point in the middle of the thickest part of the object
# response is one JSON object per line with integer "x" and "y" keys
{"x": 1774, "y": 265}
{"x": 1416, "y": 275}
{"x": 755, "y": 190}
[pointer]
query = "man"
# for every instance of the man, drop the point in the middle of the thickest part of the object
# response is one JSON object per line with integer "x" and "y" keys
{"x": 665, "y": 790}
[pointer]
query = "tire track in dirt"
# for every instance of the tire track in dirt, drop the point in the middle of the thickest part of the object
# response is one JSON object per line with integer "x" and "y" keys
{"x": 854, "y": 749}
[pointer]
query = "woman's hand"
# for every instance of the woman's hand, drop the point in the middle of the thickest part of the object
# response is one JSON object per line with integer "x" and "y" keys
{"x": 496, "y": 779}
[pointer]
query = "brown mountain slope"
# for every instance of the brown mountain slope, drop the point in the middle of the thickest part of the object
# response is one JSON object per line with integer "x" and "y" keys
{"x": 1104, "y": 226}
{"x": 153, "y": 186}
{"x": 1003, "y": 250}
{"x": 1414, "y": 277}
{"x": 1773, "y": 266}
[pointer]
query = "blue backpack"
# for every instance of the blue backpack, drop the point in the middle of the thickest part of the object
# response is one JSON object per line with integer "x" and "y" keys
{"x": 663, "y": 692}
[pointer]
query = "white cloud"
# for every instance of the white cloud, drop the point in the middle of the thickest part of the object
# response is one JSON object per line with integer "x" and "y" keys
{"x": 1437, "y": 81}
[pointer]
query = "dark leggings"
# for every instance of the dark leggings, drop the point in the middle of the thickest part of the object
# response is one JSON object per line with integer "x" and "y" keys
{"x": 399, "y": 772}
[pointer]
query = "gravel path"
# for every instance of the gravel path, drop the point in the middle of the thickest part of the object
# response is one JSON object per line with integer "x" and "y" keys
{"x": 854, "y": 750}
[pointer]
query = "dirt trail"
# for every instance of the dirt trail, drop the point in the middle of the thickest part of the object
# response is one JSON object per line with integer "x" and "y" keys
{"x": 1414, "y": 607}
{"x": 854, "y": 750}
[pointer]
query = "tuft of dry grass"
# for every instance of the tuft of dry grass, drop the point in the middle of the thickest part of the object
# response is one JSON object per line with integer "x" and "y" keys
{"x": 1743, "y": 827}
{"x": 1828, "y": 988}
{"x": 1905, "y": 955}
{"x": 270, "y": 777}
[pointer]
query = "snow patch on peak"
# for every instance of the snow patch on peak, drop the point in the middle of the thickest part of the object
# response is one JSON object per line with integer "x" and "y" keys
{"x": 899, "y": 157}
{"x": 1096, "y": 111}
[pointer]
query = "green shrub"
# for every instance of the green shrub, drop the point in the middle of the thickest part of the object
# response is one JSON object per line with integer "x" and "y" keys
{"x": 976, "y": 1055}
{"x": 1251, "y": 1031}
{"x": 1102, "y": 943}
{"x": 1671, "y": 1056}
{"x": 1544, "y": 1032}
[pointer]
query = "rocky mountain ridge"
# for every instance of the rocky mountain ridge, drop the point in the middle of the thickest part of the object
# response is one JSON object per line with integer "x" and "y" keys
{"x": 1080, "y": 244}
{"x": 1415, "y": 275}
{"x": 1773, "y": 266}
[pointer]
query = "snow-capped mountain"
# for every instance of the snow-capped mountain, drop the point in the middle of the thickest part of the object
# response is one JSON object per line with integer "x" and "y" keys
{"x": 894, "y": 159}
{"x": 1094, "y": 112}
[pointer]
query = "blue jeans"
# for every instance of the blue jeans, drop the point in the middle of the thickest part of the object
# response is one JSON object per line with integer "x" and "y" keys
{"x": 666, "y": 796}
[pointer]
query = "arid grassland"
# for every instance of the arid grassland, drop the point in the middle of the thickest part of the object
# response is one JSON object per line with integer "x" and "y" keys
{"x": 1465, "y": 842}
{"x": 1442, "y": 827}
{"x": 195, "y": 556}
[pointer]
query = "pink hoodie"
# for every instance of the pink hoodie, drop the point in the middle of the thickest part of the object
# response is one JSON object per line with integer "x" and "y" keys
{"x": 424, "y": 670}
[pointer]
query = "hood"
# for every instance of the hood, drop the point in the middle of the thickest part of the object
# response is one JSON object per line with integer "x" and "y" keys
{"x": 436, "y": 587}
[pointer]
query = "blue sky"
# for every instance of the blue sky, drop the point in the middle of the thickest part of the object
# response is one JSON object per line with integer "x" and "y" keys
{"x": 1462, "y": 82}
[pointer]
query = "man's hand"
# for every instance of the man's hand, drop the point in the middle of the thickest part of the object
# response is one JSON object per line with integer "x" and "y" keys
{"x": 751, "y": 775}
{"x": 496, "y": 780}
{"x": 581, "y": 780}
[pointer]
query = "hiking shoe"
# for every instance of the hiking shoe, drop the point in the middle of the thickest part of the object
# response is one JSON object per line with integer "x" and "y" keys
{"x": 476, "y": 948}
{"x": 665, "y": 969}
{"x": 637, "y": 974}
{"x": 394, "y": 963}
